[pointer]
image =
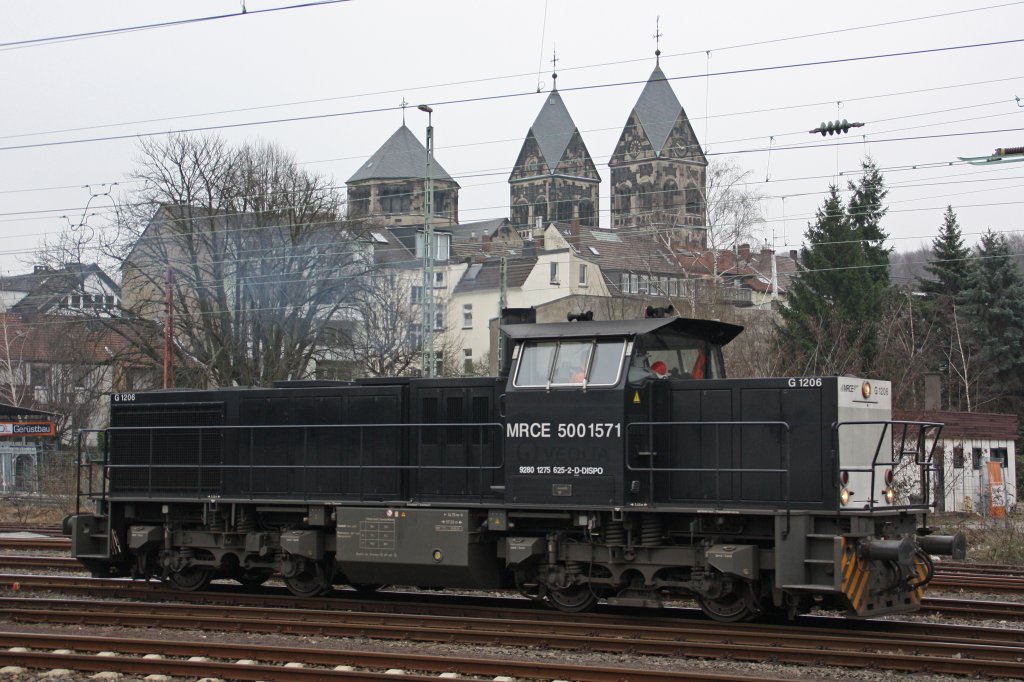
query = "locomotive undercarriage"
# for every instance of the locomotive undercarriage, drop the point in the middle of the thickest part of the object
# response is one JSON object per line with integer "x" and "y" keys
{"x": 570, "y": 561}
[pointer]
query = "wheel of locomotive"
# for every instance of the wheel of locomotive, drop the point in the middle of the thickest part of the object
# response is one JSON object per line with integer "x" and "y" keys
{"x": 191, "y": 578}
{"x": 572, "y": 599}
{"x": 728, "y": 608}
{"x": 311, "y": 581}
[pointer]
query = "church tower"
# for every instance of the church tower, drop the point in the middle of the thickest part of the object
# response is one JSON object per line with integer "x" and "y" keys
{"x": 388, "y": 187}
{"x": 658, "y": 167}
{"x": 554, "y": 177}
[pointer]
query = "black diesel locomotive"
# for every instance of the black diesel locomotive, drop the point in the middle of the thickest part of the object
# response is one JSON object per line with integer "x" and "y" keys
{"x": 612, "y": 460}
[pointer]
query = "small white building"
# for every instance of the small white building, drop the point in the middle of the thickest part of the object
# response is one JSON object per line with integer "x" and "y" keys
{"x": 967, "y": 443}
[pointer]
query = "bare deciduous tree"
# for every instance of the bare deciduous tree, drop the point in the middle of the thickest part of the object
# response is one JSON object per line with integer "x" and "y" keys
{"x": 733, "y": 207}
{"x": 260, "y": 260}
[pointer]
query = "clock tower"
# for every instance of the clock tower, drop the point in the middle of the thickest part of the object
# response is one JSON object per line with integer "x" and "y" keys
{"x": 658, "y": 168}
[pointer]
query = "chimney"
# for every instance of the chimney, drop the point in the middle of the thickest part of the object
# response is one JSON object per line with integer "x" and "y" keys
{"x": 766, "y": 254}
{"x": 932, "y": 391}
{"x": 745, "y": 252}
{"x": 530, "y": 248}
{"x": 487, "y": 243}
{"x": 793, "y": 255}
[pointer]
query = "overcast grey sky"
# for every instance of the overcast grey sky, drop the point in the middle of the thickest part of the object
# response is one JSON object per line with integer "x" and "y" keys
{"x": 350, "y": 57}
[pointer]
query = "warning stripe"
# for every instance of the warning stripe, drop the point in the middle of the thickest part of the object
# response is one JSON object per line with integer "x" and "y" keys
{"x": 921, "y": 568}
{"x": 856, "y": 576}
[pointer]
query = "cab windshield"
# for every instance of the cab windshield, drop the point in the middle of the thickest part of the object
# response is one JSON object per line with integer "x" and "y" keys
{"x": 669, "y": 354}
{"x": 570, "y": 362}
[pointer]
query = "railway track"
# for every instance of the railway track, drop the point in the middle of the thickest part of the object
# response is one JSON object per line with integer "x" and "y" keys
{"x": 262, "y": 662}
{"x": 827, "y": 641}
{"x": 952, "y": 653}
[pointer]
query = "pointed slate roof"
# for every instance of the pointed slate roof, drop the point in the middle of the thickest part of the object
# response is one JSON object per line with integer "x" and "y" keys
{"x": 658, "y": 108}
{"x": 403, "y": 156}
{"x": 553, "y": 129}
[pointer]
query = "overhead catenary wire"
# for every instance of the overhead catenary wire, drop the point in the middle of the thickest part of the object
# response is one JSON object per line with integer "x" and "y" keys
{"x": 487, "y": 98}
{"x": 50, "y": 40}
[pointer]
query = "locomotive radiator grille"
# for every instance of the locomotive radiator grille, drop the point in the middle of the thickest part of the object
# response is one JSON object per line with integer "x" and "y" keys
{"x": 153, "y": 451}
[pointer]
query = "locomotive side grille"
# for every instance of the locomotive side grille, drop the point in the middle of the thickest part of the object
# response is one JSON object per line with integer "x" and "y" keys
{"x": 148, "y": 457}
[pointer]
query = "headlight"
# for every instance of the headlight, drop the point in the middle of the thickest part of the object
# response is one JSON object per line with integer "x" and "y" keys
{"x": 890, "y": 495}
{"x": 844, "y": 496}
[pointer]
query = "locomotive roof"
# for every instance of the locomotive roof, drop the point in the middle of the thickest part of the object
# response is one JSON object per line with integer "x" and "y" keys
{"x": 716, "y": 332}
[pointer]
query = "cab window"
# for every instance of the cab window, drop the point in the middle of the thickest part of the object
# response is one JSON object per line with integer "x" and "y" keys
{"x": 572, "y": 362}
{"x": 671, "y": 355}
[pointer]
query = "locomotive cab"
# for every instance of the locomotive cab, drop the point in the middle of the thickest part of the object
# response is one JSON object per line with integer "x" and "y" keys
{"x": 573, "y": 388}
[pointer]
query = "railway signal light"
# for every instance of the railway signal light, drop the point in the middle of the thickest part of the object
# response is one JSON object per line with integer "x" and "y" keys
{"x": 835, "y": 127}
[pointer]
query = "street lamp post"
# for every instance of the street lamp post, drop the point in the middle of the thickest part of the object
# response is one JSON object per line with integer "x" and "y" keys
{"x": 427, "y": 355}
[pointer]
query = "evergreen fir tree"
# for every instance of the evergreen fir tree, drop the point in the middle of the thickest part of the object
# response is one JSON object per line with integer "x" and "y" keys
{"x": 994, "y": 296}
{"x": 866, "y": 210}
{"x": 943, "y": 309}
{"x": 950, "y": 265}
{"x": 835, "y": 294}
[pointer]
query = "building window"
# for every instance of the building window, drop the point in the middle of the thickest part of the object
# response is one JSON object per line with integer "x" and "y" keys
{"x": 439, "y": 320}
{"x": 553, "y": 271}
{"x": 540, "y": 210}
{"x": 958, "y": 457}
{"x": 692, "y": 200}
{"x": 670, "y": 195}
{"x": 521, "y": 215}
{"x": 998, "y": 455}
{"x": 442, "y": 245}
{"x": 39, "y": 375}
{"x": 467, "y": 316}
{"x": 467, "y": 360}
{"x": 415, "y": 337}
{"x": 439, "y": 280}
{"x": 634, "y": 284}
{"x": 438, "y": 363}
{"x": 563, "y": 211}
{"x": 583, "y": 275}
{"x": 673, "y": 287}
{"x": 395, "y": 200}
{"x": 586, "y": 209}
{"x": 624, "y": 286}
{"x": 416, "y": 295}
{"x": 976, "y": 458}
{"x": 645, "y": 284}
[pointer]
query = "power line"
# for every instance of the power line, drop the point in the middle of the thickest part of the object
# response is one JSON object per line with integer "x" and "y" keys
{"x": 37, "y": 42}
{"x": 488, "y": 98}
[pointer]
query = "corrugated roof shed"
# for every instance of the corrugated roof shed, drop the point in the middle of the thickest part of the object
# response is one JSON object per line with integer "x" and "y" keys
{"x": 967, "y": 425}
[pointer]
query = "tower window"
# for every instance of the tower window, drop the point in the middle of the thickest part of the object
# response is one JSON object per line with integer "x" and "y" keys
{"x": 586, "y": 212}
{"x": 692, "y": 200}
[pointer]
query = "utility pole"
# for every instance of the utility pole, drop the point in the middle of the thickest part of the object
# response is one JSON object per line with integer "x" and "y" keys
{"x": 169, "y": 329}
{"x": 427, "y": 355}
{"x": 502, "y": 304}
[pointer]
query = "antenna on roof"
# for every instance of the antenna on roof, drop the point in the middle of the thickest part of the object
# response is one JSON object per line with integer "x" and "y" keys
{"x": 554, "y": 68}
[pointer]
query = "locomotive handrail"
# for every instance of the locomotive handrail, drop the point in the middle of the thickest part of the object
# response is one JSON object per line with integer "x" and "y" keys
{"x": 473, "y": 443}
{"x": 718, "y": 470}
{"x": 923, "y": 460}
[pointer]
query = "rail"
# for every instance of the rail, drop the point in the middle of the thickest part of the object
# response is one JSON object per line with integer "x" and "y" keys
{"x": 647, "y": 430}
{"x": 923, "y": 456}
{"x": 349, "y": 447}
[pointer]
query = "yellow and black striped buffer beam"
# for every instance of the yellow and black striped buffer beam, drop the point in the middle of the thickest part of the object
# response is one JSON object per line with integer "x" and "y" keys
{"x": 856, "y": 576}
